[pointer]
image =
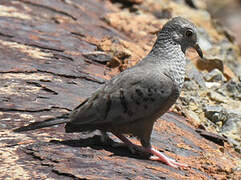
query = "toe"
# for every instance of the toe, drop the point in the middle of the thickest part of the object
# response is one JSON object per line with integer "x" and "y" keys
{"x": 169, "y": 162}
{"x": 158, "y": 156}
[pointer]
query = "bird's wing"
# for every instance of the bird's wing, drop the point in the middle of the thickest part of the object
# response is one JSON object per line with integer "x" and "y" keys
{"x": 129, "y": 96}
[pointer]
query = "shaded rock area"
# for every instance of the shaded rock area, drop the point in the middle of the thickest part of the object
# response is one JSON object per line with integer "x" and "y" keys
{"x": 55, "y": 53}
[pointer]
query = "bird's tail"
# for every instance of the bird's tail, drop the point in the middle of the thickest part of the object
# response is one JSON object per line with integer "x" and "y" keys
{"x": 48, "y": 122}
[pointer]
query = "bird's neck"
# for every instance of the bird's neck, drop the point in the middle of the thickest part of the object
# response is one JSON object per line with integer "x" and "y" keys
{"x": 168, "y": 55}
{"x": 167, "y": 47}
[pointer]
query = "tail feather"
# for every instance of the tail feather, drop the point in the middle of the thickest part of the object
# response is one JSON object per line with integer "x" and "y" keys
{"x": 47, "y": 123}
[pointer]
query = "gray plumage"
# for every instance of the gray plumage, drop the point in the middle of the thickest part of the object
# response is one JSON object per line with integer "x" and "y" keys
{"x": 133, "y": 100}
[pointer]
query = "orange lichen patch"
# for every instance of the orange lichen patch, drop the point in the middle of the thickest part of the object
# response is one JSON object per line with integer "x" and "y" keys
{"x": 211, "y": 155}
{"x": 184, "y": 146}
{"x": 141, "y": 29}
{"x": 171, "y": 127}
{"x": 33, "y": 37}
{"x": 157, "y": 169}
{"x": 125, "y": 54}
{"x": 91, "y": 39}
{"x": 140, "y": 25}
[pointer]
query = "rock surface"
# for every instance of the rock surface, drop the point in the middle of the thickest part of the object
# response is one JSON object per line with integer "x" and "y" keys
{"x": 54, "y": 54}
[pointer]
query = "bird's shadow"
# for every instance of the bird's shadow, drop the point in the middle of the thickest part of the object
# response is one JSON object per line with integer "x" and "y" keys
{"x": 96, "y": 143}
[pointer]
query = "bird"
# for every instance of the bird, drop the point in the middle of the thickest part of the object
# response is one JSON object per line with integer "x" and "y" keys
{"x": 131, "y": 102}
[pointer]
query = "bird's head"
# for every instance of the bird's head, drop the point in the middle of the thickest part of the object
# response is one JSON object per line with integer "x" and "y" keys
{"x": 183, "y": 32}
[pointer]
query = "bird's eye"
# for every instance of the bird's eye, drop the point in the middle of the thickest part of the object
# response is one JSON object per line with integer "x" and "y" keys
{"x": 189, "y": 33}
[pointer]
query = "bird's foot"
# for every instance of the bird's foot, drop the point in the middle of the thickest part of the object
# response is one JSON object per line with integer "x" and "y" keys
{"x": 135, "y": 149}
{"x": 138, "y": 150}
{"x": 158, "y": 156}
{"x": 106, "y": 140}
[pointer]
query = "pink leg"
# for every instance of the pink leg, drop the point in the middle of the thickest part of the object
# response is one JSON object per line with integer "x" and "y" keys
{"x": 161, "y": 157}
{"x": 157, "y": 155}
{"x": 133, "y": 148}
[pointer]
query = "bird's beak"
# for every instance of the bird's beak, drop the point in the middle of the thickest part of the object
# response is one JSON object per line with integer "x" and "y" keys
{"x": 198, "y": 49}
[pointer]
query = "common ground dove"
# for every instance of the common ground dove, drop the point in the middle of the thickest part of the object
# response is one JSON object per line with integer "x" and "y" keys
{"x": 133, "y": 100}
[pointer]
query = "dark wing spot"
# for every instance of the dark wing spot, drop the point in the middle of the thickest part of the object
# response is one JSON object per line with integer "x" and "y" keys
{"x": 139, "y": 92}
{"x": 152, "y": 99}
{"x": 123, "y": 100}
{"x": 135, "y": 100}
{"x": 149, "y": 92}
{"x": 108, "y": 106}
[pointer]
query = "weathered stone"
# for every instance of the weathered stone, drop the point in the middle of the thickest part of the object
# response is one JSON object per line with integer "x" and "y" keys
{"x": 190, "y": 85}
{"x": 217, "y": 97}
{"x": 214, "y": 85}
{"x": 234, "y": 89}
{"x": 98, "y": 56}
{"x": 194, "y": 75}
{"x": 215, "y": 76}
{"x": 232, "y": 128}
{"x": 216, "y": 113}
{"x": 43, "y": 74}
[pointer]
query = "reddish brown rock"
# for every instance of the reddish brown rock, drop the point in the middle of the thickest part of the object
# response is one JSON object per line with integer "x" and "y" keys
{"x": 45, "y": 72}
